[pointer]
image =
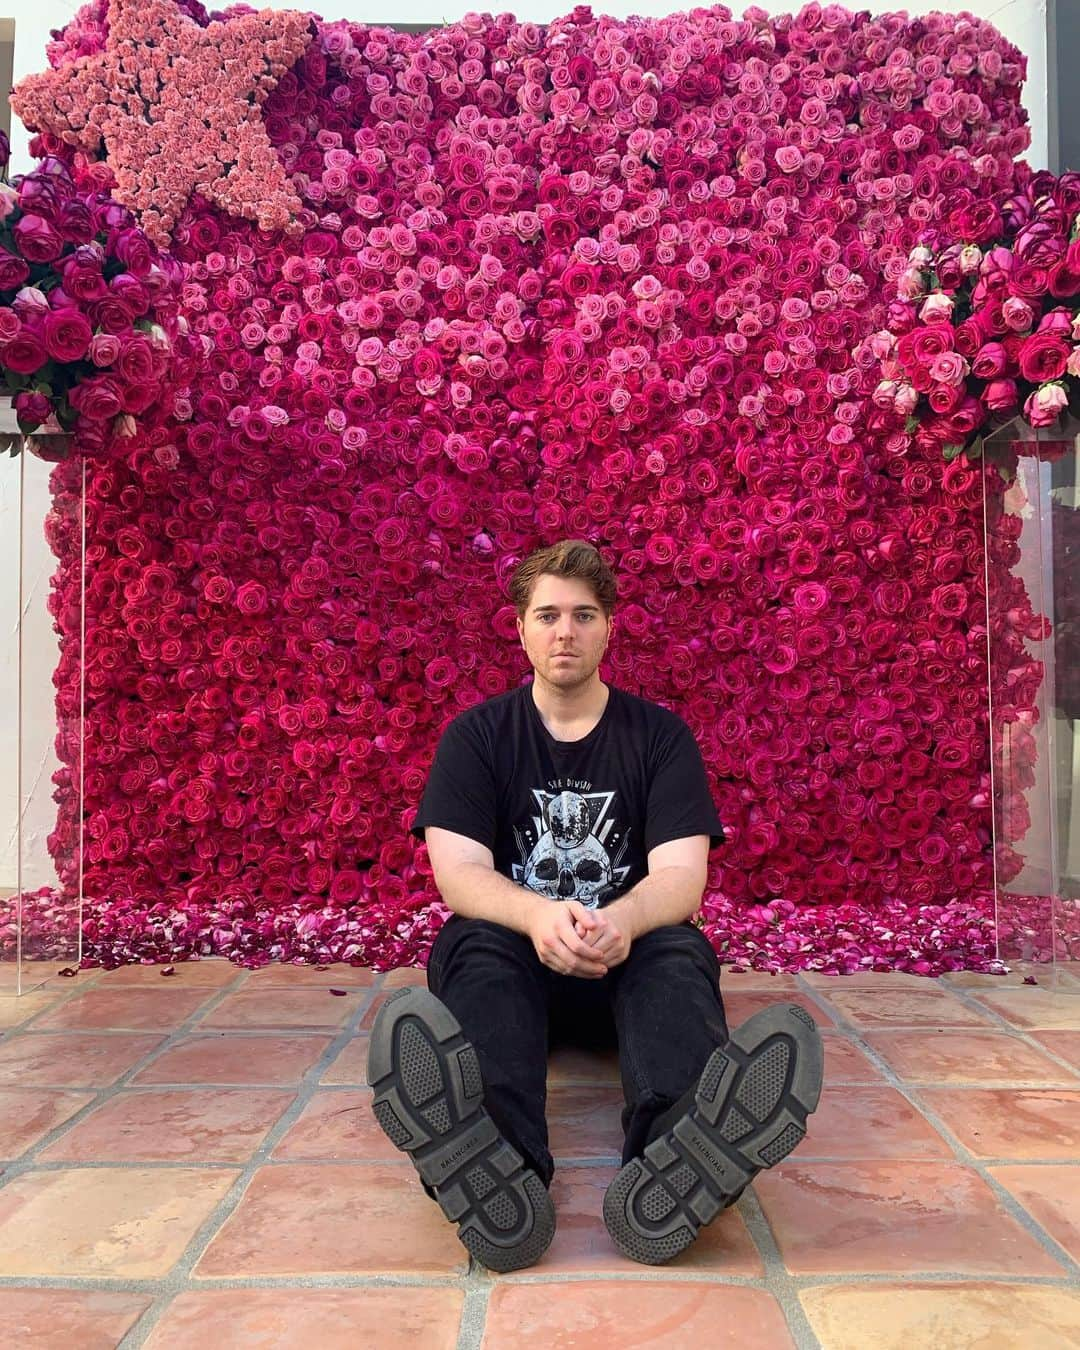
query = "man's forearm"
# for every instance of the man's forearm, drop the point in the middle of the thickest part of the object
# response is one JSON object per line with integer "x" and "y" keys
{"x": 667, "y": 896}
{"x": 477, "y": 892}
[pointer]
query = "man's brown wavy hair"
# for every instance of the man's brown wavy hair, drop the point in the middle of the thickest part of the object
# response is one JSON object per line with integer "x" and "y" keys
{"x": 575, "y": 558}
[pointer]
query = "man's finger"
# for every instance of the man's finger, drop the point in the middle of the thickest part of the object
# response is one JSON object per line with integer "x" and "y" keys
{"x": 589, "y": 966}
{"x": 575, "y": 944}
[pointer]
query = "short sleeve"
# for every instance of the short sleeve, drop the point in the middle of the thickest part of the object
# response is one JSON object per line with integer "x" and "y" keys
{"x": 460, "y": 791}
{"x": 679, "y": 802}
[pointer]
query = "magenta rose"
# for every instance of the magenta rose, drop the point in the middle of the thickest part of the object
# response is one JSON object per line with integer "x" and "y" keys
{"x": 990, "y": 361}
{"x": 136, "y": 360}
{"x": 1001, "y": 395}
{"x": 1043, "y": 357}
{"x": 136, "y": 398}
{"x": 96, "y": 399}
{"x": 251, "y": 598}
{"x": 24, "y": 354}
{"x": 977, "y": 223}
{"x": 66, "y": 334}
{"x": 1063, "y": 279}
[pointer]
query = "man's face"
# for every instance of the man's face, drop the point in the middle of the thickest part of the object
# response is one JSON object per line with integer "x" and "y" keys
{"x": 564, "y": 631}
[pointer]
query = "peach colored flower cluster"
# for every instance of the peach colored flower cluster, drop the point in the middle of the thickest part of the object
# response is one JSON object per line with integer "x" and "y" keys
{"x": 178, "y": 108}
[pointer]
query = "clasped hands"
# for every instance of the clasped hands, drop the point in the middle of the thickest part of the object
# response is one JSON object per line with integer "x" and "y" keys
{"x": 574, "y": 940}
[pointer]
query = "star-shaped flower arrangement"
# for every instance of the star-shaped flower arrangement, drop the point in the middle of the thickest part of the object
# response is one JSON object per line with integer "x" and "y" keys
{"x": 178, "y": 108}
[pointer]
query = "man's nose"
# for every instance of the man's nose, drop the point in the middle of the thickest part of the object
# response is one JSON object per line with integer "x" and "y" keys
{"x": 565, "y": 625}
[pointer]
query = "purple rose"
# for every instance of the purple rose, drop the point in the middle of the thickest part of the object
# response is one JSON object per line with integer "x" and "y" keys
{"x": 82, "y": 273}
{"x": 13, "y": 270}
{"x": 32, "y": 409}
{"x": 38, "y": 241}
{"x": 135, "y": 252}
{"x": 75, "y": 222}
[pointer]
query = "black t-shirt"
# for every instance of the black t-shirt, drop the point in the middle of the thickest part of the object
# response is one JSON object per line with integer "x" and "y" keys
{"x": 569, "y": 819}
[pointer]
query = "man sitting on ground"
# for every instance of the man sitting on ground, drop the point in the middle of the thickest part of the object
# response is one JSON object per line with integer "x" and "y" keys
{"x": 568, "y": 825}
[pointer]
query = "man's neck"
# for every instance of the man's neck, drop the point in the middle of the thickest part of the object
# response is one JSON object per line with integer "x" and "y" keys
{"x": 573, "y": 711}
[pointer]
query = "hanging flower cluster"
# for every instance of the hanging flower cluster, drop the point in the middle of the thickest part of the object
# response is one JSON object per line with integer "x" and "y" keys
{"x": 89, "y": 323}
{"x": 176, "y": 104}
{"x": 988, "y": 328}
{"x": 605, "y": 278}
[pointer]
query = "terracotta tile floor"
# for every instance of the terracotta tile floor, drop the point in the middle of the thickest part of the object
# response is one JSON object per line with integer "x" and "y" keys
{"x": 193, "y": 1162}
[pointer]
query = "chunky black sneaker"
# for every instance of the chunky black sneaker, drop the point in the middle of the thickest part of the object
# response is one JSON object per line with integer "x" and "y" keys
{"x": 429, "y": 1101}
{"x": 748, "y": 1111}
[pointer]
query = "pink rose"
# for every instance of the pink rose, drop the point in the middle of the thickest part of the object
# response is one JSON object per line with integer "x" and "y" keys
{"x": 1045, "y": 405}
{"x": 1018, "y": 314}
{"x": 104, "y": 349}
{"x": 948, "y": 368}
{"x": 936, "y": 308}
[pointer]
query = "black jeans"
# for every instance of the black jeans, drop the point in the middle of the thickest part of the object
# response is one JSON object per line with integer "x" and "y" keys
{"x": 661, "y": 1008}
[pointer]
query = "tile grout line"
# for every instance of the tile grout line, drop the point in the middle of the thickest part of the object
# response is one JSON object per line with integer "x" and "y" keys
{"x": 1008, "y": 1202}
{"x": 477, "y": 1286}
{"x": 179, "y": 1277}
{"x": 474, "y": 1310}
{"x": 26, "y": 1162}
{"x": 778, "y": 1279}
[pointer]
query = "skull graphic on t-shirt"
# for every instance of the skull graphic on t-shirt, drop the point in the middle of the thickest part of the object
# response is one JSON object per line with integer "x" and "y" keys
{"x": 569, "y": 860}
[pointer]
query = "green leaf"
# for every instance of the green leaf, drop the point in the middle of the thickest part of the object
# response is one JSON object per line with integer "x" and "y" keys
{"x": 950, "y": 451}
{"x": 911, "y": 425}
{"x": 66, "y": 414}
{"x": 975, "y": 449}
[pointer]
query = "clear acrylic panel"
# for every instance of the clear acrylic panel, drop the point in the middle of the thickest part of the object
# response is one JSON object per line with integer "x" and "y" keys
{"x": 1032, "y": 520}
{"x": 41, "y": 862}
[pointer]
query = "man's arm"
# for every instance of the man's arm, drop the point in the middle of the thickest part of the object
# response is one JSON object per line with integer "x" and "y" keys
{"x": 465, "y": 875}
{"x": 670, "y": 893}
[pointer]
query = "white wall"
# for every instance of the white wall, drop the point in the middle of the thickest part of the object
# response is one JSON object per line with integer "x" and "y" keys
{"x": 1022, "y": 21}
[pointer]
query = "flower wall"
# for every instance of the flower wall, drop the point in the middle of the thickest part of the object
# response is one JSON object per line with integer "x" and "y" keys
{"x": 604, "y": 278}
